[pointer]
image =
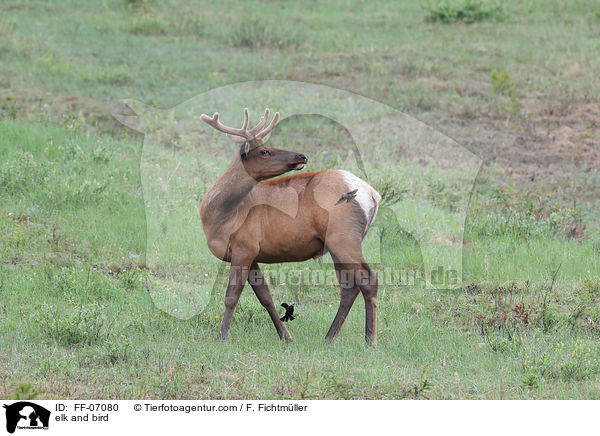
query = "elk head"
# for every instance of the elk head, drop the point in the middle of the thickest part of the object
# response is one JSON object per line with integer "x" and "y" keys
{"x": 260, "y": 162}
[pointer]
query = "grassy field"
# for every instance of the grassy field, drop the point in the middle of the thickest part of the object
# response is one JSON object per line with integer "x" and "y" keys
{"x": 89, "y": 313}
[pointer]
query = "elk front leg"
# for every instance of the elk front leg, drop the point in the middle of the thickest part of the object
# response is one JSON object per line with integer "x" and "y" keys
{"x": 261, "y": 289}
{"x": 238, "y": 274}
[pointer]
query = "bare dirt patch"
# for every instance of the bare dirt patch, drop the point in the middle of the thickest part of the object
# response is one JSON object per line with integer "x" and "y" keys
{"x": 553, "y": 148}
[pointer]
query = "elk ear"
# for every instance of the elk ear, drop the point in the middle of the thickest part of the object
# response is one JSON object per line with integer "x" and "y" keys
{"x": 245, "y": 148}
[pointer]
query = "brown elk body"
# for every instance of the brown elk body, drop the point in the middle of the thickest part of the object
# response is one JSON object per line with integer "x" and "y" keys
{"x": 249, "y": 217}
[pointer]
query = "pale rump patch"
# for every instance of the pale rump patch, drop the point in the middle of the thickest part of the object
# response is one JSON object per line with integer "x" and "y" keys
{"x": 367, "y": 198}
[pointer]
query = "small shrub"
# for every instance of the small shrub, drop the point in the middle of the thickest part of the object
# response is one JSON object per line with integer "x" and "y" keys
{"x": 500, "y": 344}
{"x": 520, "y": 313}
{"x": 473, "y": 289}
{"x": 147, "y": 25}
{"x": 16, "y": 235}
{"x": 102, "y": 154}
{"x": 591, "y": 286}
{"x": 442, "y": 195}
{"x": 255, "y": 33}
{"x": 390, "y": 193}
{"x": 465, "y": 11}
{"x": 118, "y": 75}
{"x": 25, "y": 392}
{"x": 130, "y": 277}
{"x": 502, "y": 83}
{"x": 531, "y": 380}
{"x": 82, "y": 325}
{"x": 117, "y": 349}
{"x": 546, "y": 318}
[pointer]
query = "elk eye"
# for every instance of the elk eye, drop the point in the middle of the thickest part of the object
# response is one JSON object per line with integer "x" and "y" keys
{"x": 265, "y": 152}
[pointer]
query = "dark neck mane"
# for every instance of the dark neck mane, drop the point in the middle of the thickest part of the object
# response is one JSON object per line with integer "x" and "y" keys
{"x": 228, "y": 191}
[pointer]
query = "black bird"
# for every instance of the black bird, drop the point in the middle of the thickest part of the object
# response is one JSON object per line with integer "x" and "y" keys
{"x": 289, "y": 312}
{"x": 347, "y": 197}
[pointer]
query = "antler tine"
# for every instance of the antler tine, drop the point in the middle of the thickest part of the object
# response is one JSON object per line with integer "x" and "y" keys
{"x": 256, "y": 129}
{"x": 270, "y": 127}
{"x": 246, "y": 119}
{"x": 216, "y": 124}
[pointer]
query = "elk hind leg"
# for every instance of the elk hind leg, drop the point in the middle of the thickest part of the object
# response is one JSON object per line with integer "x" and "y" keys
{"x": 367, "y": 281}
{"x": 364, "y": 280}
{"x": 348, "y": 293}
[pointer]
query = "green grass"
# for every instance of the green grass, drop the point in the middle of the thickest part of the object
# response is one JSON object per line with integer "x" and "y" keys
{"x": 87, "y": 313}
{"x": 367, "y": 48}
{"x": 75, "y": 299}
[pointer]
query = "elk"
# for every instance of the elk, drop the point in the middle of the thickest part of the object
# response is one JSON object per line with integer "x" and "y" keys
{"x": 251, "y": 217}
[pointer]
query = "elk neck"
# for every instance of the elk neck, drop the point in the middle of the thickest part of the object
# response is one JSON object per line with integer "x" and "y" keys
{"x": 228, "y": 191}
